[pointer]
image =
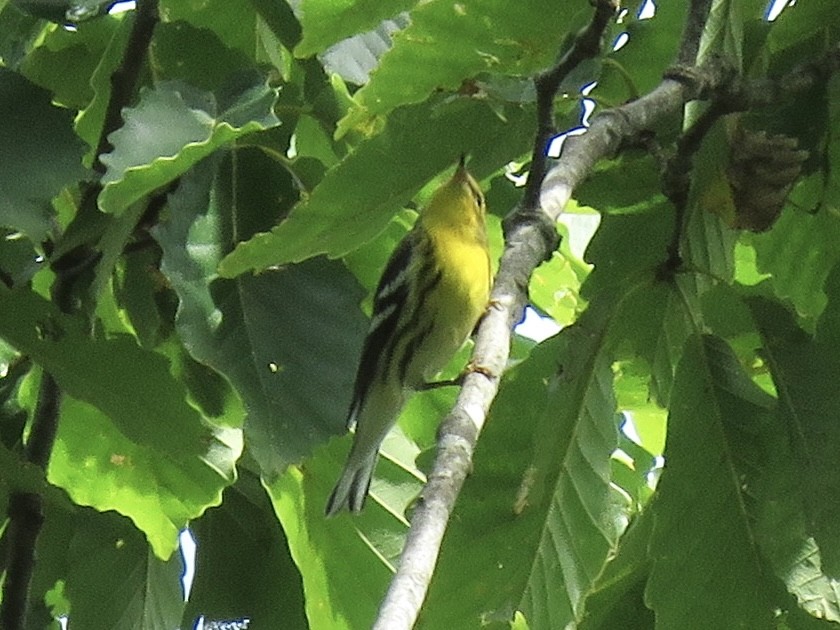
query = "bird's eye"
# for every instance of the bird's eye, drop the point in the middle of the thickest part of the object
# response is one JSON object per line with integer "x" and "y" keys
{"x": 478, "y": 196}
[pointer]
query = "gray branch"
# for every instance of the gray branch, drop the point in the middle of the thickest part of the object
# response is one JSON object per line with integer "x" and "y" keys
{"x": 530, "y": 239}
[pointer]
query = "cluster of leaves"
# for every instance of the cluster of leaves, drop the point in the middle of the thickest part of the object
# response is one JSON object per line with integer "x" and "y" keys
{"x": 263, "y": 172}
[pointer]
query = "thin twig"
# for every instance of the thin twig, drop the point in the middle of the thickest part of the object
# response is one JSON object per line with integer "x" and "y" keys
{"x": 587, "y": 45}
{"x": 698, "y": 13}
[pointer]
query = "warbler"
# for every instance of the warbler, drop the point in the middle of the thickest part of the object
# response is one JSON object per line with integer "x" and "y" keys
{"x": 430, "y": 297}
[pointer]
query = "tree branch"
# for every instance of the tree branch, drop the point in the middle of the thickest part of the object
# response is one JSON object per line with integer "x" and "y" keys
{"x": 530, "y": 238}
{"x": 25, "y": 508}
{"x": 26, "y": 511}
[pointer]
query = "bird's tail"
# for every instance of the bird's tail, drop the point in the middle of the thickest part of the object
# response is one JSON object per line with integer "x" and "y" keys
{"x": 374, "y": 417}
{"x": 352, "y": 487}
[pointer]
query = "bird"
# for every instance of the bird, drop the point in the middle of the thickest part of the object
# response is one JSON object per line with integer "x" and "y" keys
{"x": 432, "y": 293}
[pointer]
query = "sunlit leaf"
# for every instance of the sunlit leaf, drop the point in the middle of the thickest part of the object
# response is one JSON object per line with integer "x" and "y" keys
{"x": 528, "y": 533}
{"x": 357, "y": 198}
{"x": 345, "y": 561}
{"x": 324, "y": 22}
{"x": 446, "y": 44}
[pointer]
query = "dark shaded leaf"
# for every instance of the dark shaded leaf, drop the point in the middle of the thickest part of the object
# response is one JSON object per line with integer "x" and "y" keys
{"x": 39, "y": 152}
{"x": 806, "y": 371}
{"x": 707, "y": 567}
{"x": 243, "y": 567}
{"x": 114, "y": 582}
{"x": 287, "y": 339}
{"x": 149, "y": 437}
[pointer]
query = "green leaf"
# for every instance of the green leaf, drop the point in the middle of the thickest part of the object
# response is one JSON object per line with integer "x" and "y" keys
{"x": 62, "y": 11}
{"x": 114, "y": 581}
{"x": 657, "y": 319}
{"x": 358, "y": 197}
{"x": 353, "y": 59}
{"x": 799, "y": 251}
{"x": 633, "y": 397}
{"x": 555, "y": 286}
{"x": 243, "y": 567}
{"x": 149, "y": 436}
{"x": 781, "y": 531}
{"x": 138, "y": 289}
{"x": 776, "y": 504}
{"x": 282, "y": 338}
{"x": 66, "y": 60}
{"x": 658, "y": 314}
{"x": 800, "y": 23}
{"x": 193, "y": 55}
{"x": 536, "y": 519}
{"x": 707, "y": 568}
{"x": 90, "y": 121}
{"x": 115, "y": 236}
{"x": 19, "y": 475}
{"x": 346, "y": 561}
{"x": 616, "y": 253}
{"x": 325, "y": 22}
{"x": 582, "y": 526}
{"x": 447, "y": 43}
{"x": 88, "y": 368}
{"x": 708, "y": 243}
{"x": 832, "y": 150}
{"x": 175, "y": 126}
{"x": 625, "y": 185}
{"x": 39, "y": 152}
{"x": 160, "y": 492}
{"x": 20, "y": 260}
{"x": 280, "y": 20}
{"x": 638, "y": 66}
{"x": 724, "y": 32}
{"x": 47, "y": 9}
{"x": 233, "y": 21}
{"x": 617, "y": 600}
{"x": 48, "y": 587}
{"x": 805, "y": 372}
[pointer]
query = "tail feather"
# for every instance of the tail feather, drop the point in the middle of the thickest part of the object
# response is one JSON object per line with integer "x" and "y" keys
{"x": 373, "y": 416}
{"x": 352, "y": 487}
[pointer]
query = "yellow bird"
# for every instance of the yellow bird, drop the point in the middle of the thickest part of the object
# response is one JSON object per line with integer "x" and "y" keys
{"x": 431, "y": 295}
